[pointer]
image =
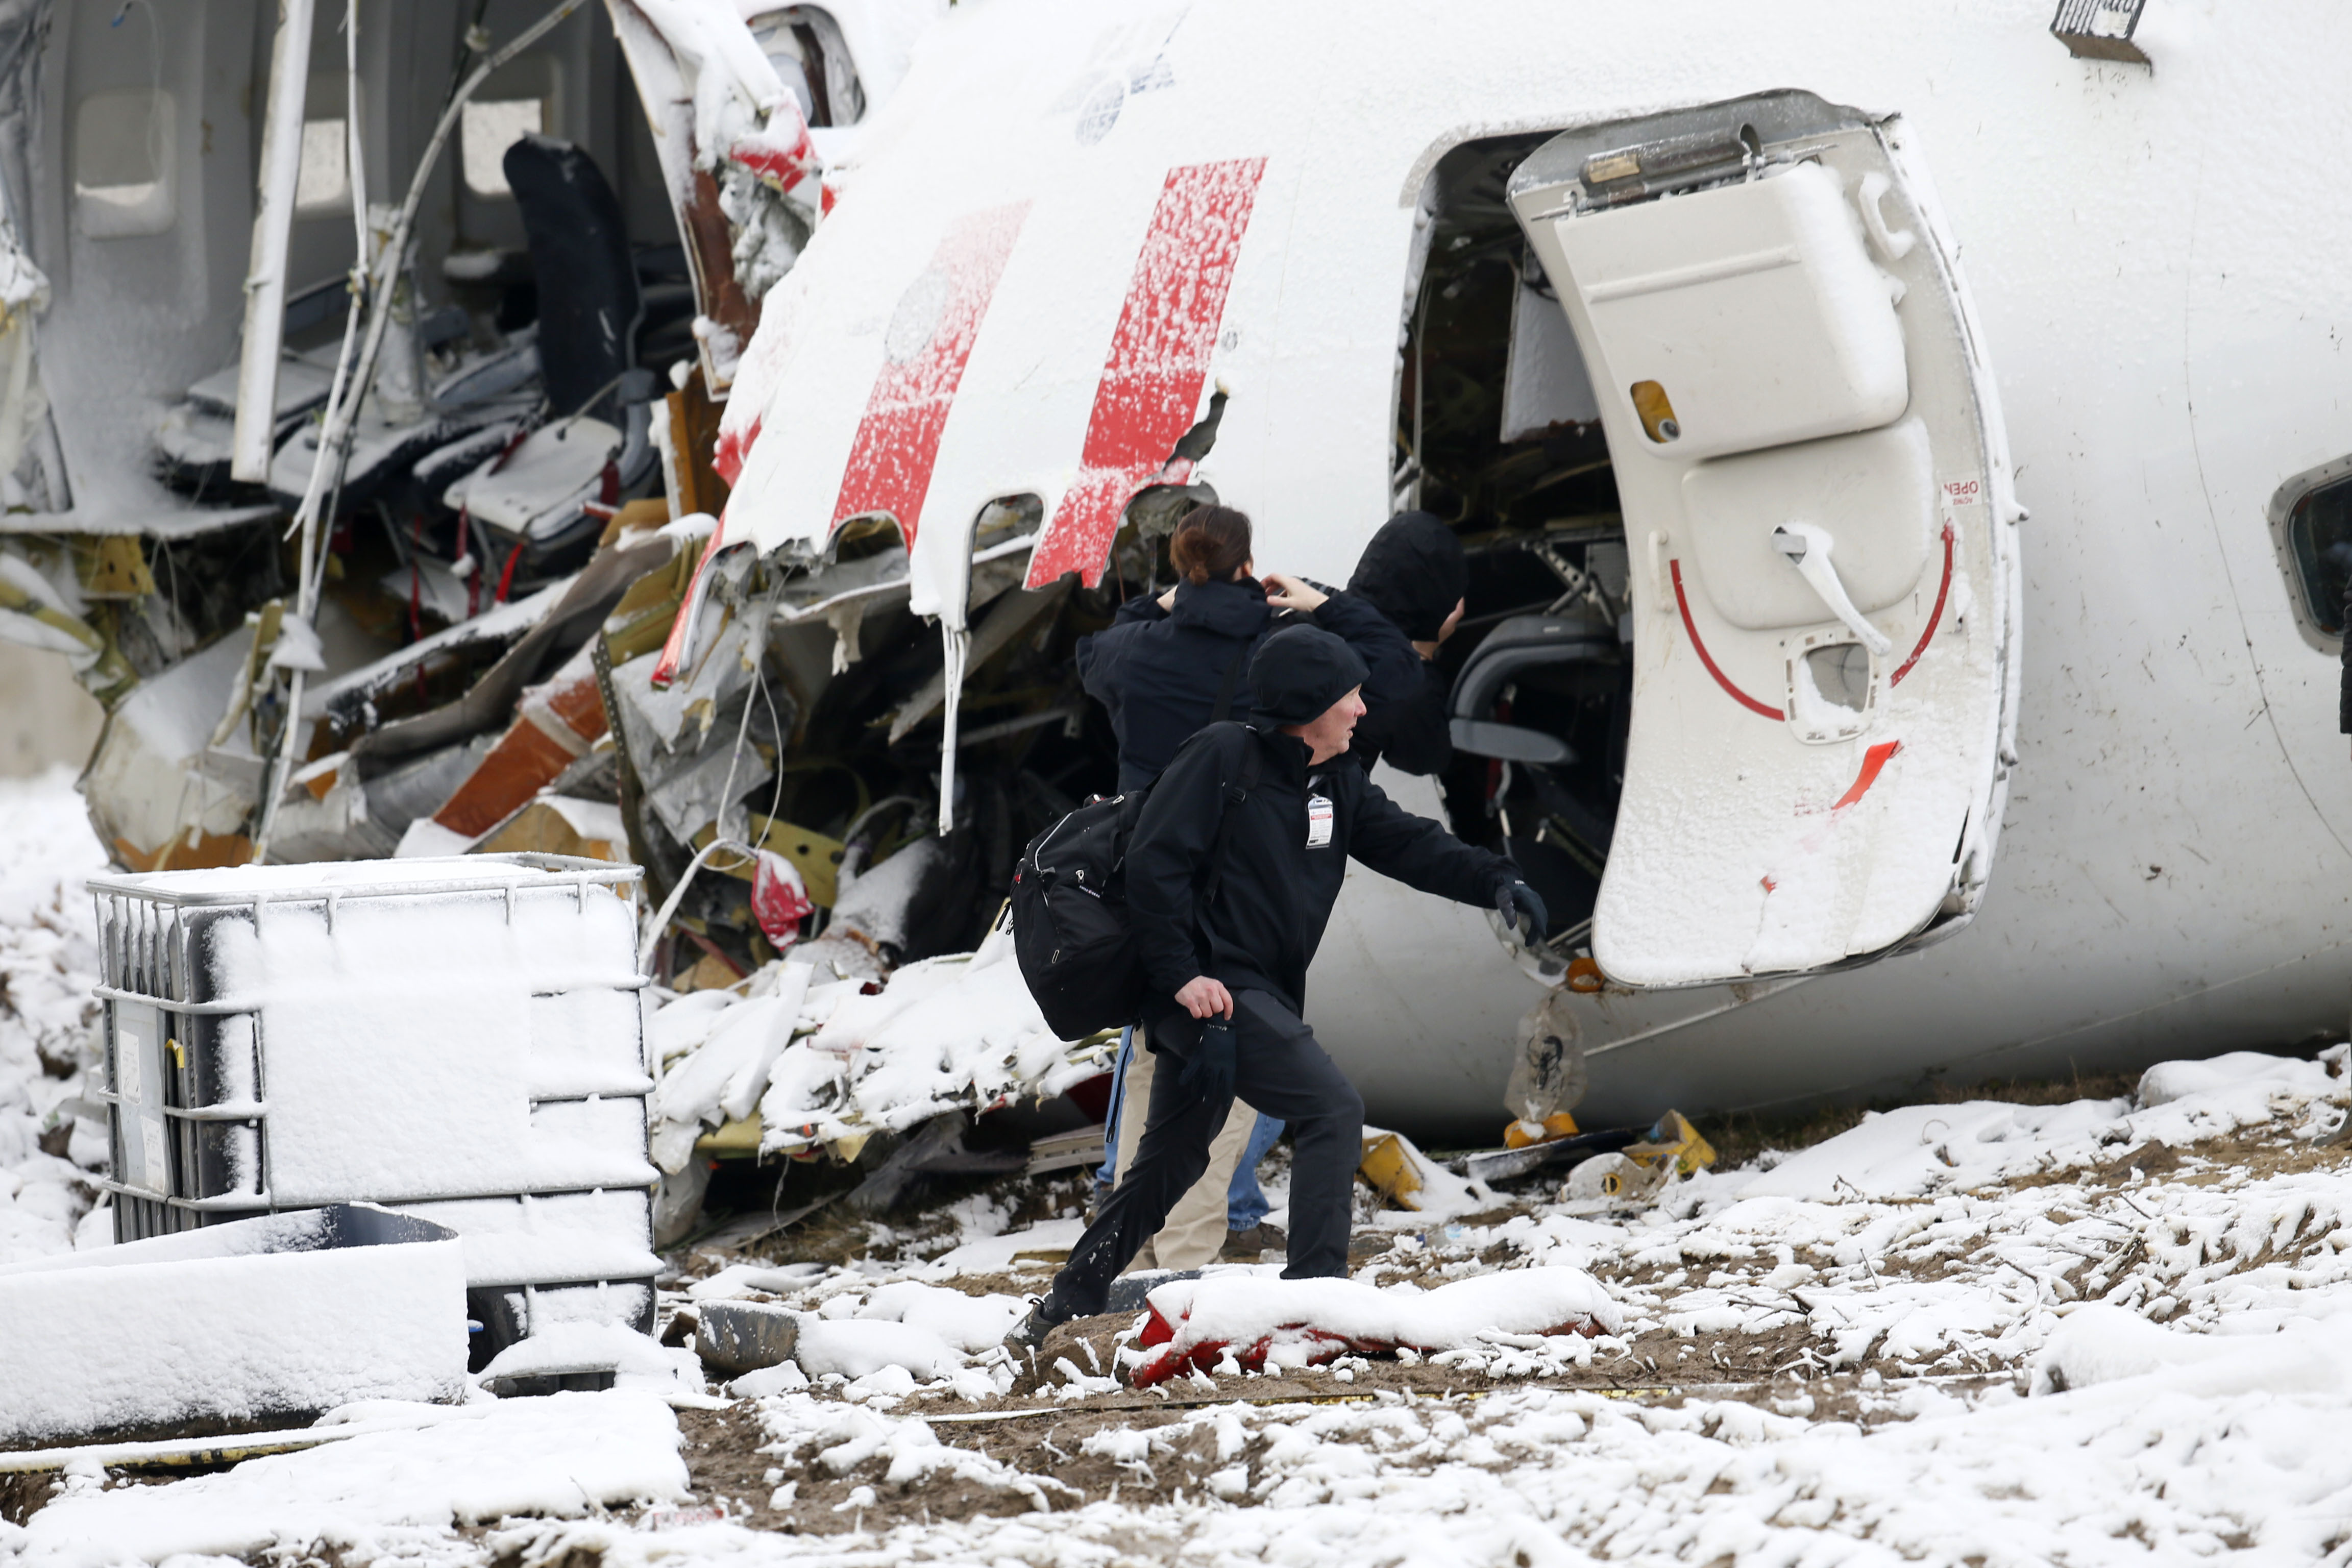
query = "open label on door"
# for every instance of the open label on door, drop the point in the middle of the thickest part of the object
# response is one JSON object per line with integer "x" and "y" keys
{"x": 1816, "y": 491}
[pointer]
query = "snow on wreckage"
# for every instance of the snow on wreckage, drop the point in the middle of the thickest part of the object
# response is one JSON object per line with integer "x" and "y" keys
{"x": 500, "y": 521}
{"x": 1880, "y": 1343}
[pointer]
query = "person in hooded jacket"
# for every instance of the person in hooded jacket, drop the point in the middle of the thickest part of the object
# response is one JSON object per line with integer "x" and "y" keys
{"x": 1227, "y": 978}
{"x": 1414, "y": 573}
{"x": 1167, "y": 666}
{"x": 1165, "y": 660}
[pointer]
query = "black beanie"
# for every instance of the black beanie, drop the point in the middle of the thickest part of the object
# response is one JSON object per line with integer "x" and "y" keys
{"x": 1299, "y": 672}
{"x": 1414, "y": 573}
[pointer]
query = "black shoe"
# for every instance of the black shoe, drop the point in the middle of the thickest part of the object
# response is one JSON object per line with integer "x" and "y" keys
{"x": 1256, "y": 1241}
{"x": 1029, "y": 1334}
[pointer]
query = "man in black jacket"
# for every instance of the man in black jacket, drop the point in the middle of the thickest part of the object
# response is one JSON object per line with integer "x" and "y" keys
{"x": 1227, "y": 983}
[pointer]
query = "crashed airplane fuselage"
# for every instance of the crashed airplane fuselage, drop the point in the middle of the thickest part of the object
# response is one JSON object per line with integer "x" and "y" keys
{"x": 1645, "y": 312}
{"x": 1825, "y": 786}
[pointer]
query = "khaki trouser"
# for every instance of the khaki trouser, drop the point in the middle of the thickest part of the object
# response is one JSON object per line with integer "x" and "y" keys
{"x": 1194, "y": 1232}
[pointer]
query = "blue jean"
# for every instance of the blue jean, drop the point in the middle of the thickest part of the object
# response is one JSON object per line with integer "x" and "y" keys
{"x": 1246, "y": 1202}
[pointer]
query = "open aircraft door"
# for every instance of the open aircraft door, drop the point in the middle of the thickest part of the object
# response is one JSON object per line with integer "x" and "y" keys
{"x": 1817, "y": 504}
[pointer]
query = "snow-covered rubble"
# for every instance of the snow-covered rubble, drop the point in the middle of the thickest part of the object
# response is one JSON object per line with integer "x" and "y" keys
{"x": 1251, "y": 1321}
{"x": 50, "y": 1135}
{"x": 394, "y": 1491}
{"x": 829, "y": 1063}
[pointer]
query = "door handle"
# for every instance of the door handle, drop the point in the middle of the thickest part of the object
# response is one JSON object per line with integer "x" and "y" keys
{"x": 1807, "y": 546}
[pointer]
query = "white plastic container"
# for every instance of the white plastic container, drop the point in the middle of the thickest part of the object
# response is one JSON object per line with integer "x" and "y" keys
{"x": 460, "y": 1038}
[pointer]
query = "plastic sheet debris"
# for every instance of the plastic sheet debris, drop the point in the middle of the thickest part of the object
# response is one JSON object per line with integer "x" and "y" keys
{"x": 267, "y": 1321}
{"x": 1615, "y": 1181}
{"x": 459, "y": 1037}
{"x": 1547, "y": 1077}
{"x": 1675, "y": 1143}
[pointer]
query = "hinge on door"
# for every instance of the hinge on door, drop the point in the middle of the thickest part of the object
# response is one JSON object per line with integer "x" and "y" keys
{"x": 2100, "y": 29}
{"x": 1634, "y": 173}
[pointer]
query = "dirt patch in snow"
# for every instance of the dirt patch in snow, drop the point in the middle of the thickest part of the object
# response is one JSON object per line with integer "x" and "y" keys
{"x": 24, "y": 1495}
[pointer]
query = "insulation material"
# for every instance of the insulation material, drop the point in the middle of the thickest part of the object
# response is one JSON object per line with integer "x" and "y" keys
{"x": 723, "y": 1080}
{"x": 831, "y": 1064}
{"x": 965, "y": 1035}
{"x": 869, "y": 913}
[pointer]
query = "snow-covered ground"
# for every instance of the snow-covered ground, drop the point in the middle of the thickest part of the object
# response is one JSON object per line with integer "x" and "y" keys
{"x": 49, "y": 1041}
{"x": 2092, "y": 1333}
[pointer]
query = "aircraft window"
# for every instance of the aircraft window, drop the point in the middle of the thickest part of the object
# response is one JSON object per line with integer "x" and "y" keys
{"x": 809, "y": 53}
{"x": 522, "y": 97}
{"x": 126, "y": 145}
{"x": 487, "y": 129}
{"x": 324, "y": 187}
{"x": 2319, "y": 539}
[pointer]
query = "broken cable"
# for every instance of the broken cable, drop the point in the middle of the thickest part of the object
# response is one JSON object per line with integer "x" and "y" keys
{"x": 660, "y": 922}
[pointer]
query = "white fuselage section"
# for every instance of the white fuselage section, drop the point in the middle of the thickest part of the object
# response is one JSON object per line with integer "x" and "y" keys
{"x": 2151, "y": 255}
{"x": 2155, "y": 259}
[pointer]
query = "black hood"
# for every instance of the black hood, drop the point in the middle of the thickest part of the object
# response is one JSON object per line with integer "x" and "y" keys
{"x": 1228, "y": 609}
{"x": 1414, "y": 573}
{"x": 1300, "y": 671}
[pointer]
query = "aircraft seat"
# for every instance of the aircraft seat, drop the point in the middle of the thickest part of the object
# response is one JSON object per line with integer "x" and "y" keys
{"x": 589, "y": 301}
{"x": 1517, "y": 645}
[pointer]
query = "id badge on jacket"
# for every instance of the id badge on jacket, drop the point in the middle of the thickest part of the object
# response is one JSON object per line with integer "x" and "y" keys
{"x": 1318, "y": 822}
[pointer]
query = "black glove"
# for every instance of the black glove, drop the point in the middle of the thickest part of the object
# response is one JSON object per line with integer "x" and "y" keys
{"x": 1514, "y": 900}
{"x": 1209, "y": 1072}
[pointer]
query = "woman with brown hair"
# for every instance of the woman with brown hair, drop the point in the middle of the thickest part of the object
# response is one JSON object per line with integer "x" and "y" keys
{"x": 1166, "y": 661}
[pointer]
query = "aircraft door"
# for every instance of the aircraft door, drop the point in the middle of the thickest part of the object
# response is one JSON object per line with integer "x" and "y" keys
{"x": 1817, "y": 507}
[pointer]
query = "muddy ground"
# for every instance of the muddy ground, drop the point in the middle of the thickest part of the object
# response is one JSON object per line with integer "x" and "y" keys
{"x": 1042, "y": 1437}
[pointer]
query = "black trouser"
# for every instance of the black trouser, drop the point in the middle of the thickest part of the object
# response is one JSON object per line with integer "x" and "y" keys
{"x": 1282, "y": 1072}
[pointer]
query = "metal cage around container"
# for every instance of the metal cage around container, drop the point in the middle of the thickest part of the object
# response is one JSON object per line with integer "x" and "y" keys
{"x": 462, "y": 1038}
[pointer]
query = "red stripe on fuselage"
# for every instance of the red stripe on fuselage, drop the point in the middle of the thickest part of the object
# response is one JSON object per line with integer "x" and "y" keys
{"x": 1873, "y": 760}
{"x": 891, "y": 463}
{"x": 1159, "y": 360}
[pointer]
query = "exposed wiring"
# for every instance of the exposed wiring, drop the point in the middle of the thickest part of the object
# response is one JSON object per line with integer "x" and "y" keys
{"x": 660, "y": 922}
{"x": 849, "y": 834}
{"x": 373, "y": 289}
{"x": 743, "y": 725}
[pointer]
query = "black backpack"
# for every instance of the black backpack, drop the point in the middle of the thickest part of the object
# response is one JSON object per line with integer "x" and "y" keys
{"x": 1070, "y": 930}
